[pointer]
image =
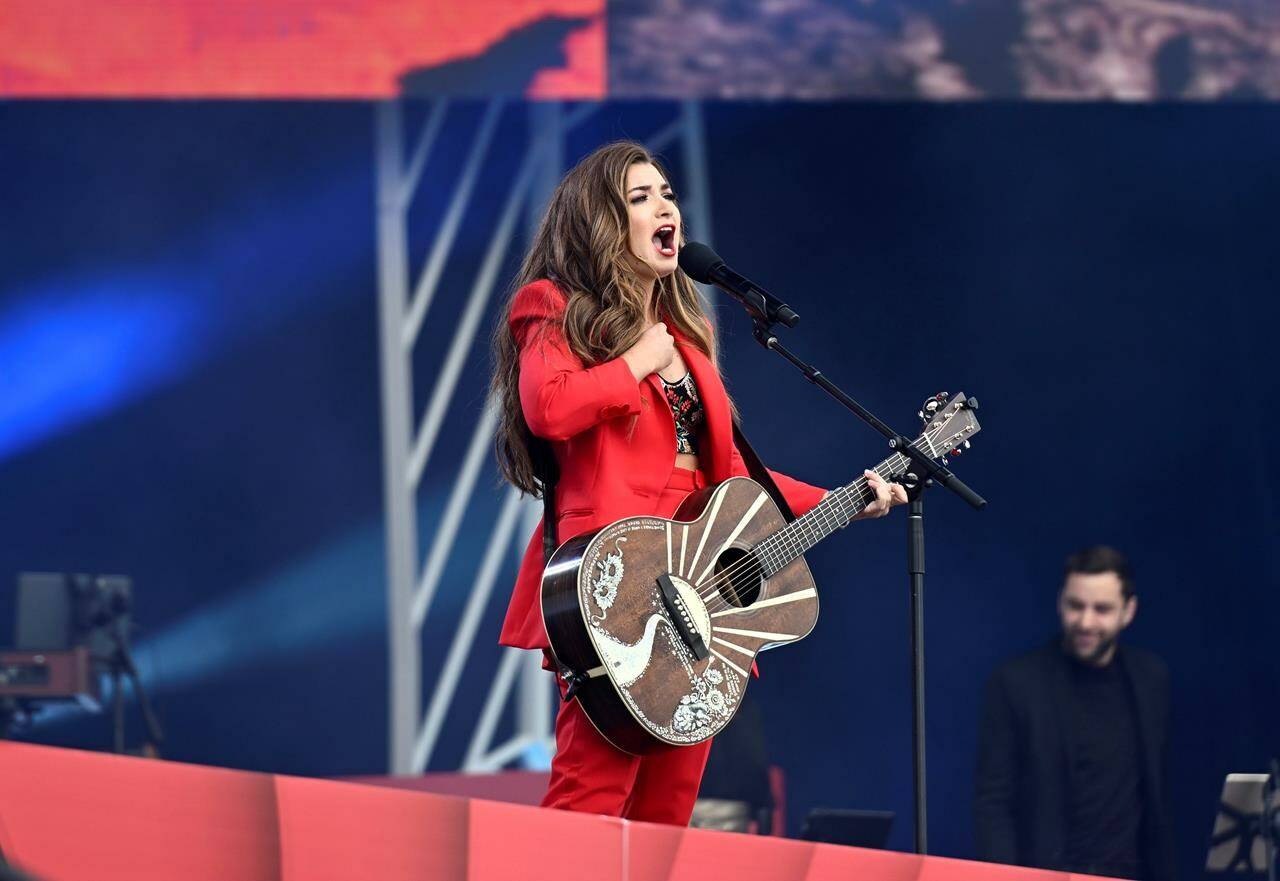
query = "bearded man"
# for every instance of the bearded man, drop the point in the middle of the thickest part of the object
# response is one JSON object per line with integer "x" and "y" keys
{"x": 1071, "y": 758}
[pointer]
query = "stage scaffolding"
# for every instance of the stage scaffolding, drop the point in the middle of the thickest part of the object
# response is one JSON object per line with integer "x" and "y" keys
{"x": 405, "y": 295}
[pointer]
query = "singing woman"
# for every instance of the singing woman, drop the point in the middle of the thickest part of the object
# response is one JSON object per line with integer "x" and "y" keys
{"x": 607, "y": 359}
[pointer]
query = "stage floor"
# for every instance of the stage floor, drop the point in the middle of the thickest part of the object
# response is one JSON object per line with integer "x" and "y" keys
{"x": 68, "y": 815}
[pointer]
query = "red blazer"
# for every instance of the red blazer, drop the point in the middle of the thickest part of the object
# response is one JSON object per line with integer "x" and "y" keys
{"x": 614, "y": 439}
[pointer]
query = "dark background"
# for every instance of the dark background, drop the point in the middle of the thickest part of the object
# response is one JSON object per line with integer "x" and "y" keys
{"x": 189, "y": 394}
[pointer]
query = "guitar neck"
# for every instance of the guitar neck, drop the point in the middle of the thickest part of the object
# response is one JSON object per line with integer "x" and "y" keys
{"x": 833, "y": 513}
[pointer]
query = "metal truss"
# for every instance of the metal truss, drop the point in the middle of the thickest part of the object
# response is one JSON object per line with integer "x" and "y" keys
{"x": 405, "y": 300}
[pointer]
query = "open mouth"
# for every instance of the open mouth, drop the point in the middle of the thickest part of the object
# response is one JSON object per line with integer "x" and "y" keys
{"x": 664, "y": 239}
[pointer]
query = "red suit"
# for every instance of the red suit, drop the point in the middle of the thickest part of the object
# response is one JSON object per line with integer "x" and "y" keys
{"x": 614, "y": 440}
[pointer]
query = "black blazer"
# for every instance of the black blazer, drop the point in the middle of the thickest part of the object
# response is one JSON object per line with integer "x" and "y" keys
{"x": 1021, "y": 804}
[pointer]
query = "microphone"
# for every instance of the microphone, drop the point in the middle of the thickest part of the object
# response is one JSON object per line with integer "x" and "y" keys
{"x": 704, "y": 265}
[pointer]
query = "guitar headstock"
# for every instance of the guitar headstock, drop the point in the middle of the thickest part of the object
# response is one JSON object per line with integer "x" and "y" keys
{"x": 949, "y": 422}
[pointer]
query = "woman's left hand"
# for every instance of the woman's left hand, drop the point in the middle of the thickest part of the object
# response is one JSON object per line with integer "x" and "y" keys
{"x": 887, "y": 496}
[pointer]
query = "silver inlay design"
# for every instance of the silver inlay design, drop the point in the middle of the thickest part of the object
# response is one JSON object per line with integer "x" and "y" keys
{"x": 706, "y": 705}
{"x": 604, "y": 589}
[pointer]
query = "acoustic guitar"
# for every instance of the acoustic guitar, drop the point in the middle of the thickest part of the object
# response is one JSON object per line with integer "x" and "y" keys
{"x": 655, "y": 623}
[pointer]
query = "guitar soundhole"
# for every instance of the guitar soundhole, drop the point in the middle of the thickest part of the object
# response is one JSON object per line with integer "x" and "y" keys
{"x": 739, "y": 576}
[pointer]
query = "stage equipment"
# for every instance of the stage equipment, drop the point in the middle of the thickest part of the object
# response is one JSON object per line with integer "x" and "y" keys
{"x": 46, "y": 612}
{"x": 48, "y": 676}
{"x": 925, "y": 472}
{"x": 58, "y": 611}
{"x": 1246, "y": 832}
{"x": 724, "y": 815}
{"x": 52, "y": 660}
{"x": 655, "y": 623}
{"x": 74, "y": 628}
{"x": 109, "y": 615}
{"x": 848, "y": 827}
{"x": 30, "y": 679}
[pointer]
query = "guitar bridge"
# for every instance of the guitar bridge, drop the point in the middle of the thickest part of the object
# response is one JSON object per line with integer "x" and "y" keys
{"x": 681, "y": 617}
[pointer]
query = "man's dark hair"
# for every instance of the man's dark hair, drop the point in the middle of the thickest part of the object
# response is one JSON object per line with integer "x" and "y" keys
{"x": 1100, "y": 558}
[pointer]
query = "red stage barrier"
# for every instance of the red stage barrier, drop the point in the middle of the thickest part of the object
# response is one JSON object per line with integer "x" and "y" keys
{"x": 514, "y": 787}
{"x": 67, "y": 815}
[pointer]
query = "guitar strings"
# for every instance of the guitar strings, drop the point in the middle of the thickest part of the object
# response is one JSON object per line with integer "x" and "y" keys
{"x": 779, "y": 549}
{"x": 712, "y": 591}
{"x": 793, "y": 540}
{"x": 720, "y": 592}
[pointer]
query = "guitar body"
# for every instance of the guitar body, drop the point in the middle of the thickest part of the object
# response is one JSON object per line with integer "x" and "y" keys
{"x": 668, "y": 667}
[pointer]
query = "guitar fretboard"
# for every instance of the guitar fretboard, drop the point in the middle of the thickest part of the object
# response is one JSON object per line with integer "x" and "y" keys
{"x": 831, "y": 514}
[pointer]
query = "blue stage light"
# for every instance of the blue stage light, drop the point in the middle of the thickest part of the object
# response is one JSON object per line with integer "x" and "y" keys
{"x": 72, "y": 349}
{"x": 75, "y": 350}
{"x": 333, "y": 596}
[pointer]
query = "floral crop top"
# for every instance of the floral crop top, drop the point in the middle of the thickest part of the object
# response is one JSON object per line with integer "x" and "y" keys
{"x": 687, "y": 411}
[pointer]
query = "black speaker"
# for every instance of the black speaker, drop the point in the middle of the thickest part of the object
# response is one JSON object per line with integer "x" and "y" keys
{"x": 46, "y": 612}
{"x": 851, "y": 828}
{"x": 57, "y": 612}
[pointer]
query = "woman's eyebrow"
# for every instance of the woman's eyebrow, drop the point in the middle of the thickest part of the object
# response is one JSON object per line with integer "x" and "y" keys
{"x": 648, "y": 187}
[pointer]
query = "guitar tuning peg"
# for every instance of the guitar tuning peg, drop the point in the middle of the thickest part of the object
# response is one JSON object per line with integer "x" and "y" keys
{"x": 966, "y": 445}
{"x": 930, "y": 407}
{"x": 957, "y": 451}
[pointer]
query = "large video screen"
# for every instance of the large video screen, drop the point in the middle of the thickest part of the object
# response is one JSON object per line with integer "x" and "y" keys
{"x": 946, "y": 49}
{"x": 300, "y": 48}
{"x": 1124, "y": 50}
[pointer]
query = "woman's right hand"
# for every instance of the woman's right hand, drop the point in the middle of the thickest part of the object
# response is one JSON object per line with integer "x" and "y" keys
{"x": 655, "y": 349}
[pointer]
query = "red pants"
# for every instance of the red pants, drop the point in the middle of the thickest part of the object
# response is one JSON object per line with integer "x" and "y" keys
{"x": 589, "y": 774}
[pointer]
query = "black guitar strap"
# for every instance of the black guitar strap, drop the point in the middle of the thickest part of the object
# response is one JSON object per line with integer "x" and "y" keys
{"x": 549, "y": 544}
{"x": 759, "y": 473}
{"x": 549, "y": 474}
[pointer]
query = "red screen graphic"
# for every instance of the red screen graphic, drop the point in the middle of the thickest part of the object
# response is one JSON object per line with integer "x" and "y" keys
{"x": 287, "y": 48}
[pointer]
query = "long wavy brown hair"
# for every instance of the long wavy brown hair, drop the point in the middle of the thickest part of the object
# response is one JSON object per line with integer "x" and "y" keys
{"x": 582, "y": 246}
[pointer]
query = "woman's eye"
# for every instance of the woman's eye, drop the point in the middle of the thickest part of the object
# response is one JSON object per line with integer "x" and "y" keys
{"x": 636, "y": 200}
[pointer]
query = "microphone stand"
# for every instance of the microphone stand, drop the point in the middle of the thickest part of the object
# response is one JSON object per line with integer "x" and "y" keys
{"x": 766, "y": 310}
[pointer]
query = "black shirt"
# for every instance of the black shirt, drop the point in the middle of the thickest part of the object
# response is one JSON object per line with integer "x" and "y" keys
{"x": 1105, "y": 793}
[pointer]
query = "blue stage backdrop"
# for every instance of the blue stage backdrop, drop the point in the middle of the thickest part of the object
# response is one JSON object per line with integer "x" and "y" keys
{"x": 189, "y": 394}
